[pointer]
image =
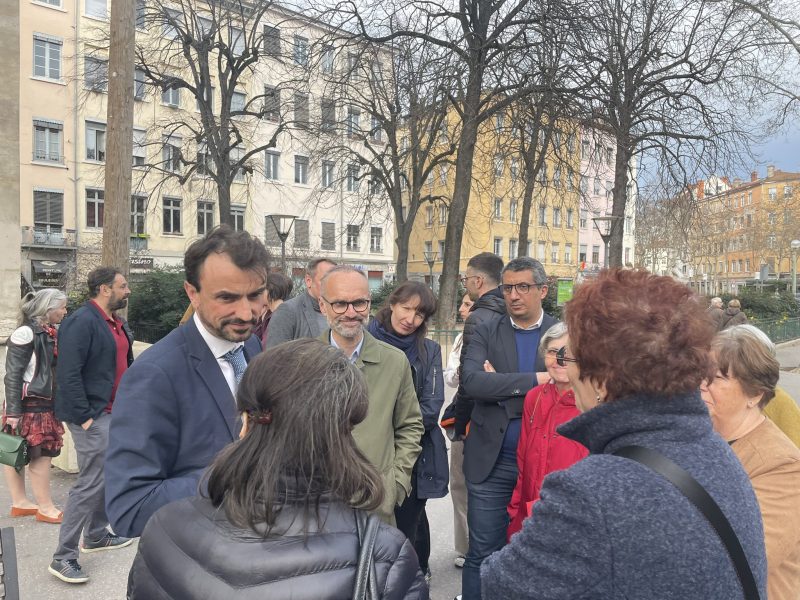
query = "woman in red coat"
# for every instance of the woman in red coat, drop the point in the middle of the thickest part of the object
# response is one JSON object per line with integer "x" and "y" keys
{"x": 541, "y": 449}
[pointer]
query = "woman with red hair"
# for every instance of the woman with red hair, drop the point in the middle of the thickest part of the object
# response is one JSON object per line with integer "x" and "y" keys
{"x": 610, "y": 526}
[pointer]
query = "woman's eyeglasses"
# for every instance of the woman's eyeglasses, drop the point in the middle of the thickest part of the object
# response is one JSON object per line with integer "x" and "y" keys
{"x": 560, "y": 355}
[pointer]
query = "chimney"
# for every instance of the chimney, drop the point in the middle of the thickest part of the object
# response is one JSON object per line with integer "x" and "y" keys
{"x": 754, "y": 176}
{"x": 701, "y": 186}
{"x": 770, "y": 170}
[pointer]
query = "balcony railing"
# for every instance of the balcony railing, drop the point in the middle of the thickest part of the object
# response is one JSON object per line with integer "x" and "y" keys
{"x": 48, "y": 157}
{"x": 138, "y": 243}
{"x": 48, "y": 236}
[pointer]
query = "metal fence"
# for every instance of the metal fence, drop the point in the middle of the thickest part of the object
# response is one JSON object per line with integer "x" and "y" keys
{"x": 445, "y": 338}
{"x": 149, "y": 332}
{"x": 780, "y": 330}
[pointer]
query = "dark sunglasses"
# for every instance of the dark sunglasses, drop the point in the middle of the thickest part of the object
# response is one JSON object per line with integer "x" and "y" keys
{"x": 561, "y": 356}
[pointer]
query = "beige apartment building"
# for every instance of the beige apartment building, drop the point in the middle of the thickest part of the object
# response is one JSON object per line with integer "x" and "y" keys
{"x": 62, "y": 157}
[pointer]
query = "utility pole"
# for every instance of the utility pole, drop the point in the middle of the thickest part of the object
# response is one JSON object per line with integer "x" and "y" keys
{"x": 119, "y": 137}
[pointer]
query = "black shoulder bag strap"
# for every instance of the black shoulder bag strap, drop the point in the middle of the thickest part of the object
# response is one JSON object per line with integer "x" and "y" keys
{"x": 698, "y": 496}
{"x": 366, "y": 584}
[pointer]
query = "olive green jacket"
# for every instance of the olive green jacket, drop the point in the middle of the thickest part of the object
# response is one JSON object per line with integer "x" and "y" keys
{"x": 390, "y": 435}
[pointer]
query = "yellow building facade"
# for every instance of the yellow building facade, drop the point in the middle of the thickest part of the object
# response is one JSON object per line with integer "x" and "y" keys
{"x": 494, "y": 215}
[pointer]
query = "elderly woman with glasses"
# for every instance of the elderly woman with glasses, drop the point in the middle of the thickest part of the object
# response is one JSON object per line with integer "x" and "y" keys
{"x": 610, "y": 526}
{"x": 743, "y": 385}
{"x": 541, "y": 449}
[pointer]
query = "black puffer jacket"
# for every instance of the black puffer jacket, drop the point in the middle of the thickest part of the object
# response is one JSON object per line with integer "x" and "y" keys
{"x": 490, "y": 306}
{"x": 190, "y": 551}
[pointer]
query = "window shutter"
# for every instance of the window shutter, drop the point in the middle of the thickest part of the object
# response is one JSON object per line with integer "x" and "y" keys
{"x": 329, "y": 236}
{"x": 301, "y": 238}
{"x": 272, "y": 238}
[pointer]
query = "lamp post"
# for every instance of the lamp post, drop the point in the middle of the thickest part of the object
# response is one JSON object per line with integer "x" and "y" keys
{"x": 431, "y": 256}
{"x": 604, "y": 226}
{"x": 283, "y": 225}
{"x": 795, "y": 246}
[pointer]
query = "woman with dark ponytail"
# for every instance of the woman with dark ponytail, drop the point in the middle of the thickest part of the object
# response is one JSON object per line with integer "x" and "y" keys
{"x": 279, "y": 517}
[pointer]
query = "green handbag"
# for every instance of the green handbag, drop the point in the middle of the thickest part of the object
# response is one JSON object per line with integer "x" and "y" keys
{"x": 13, "y": 450}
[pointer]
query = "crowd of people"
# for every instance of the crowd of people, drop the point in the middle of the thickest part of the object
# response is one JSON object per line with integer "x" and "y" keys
{"x": 283, "y": 447}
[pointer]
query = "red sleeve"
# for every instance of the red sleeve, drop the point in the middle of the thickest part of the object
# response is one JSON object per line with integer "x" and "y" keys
{"x": 522, "y": 448}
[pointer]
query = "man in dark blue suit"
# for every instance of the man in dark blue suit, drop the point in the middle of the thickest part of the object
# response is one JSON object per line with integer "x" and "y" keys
{"x": 175, "y": 408}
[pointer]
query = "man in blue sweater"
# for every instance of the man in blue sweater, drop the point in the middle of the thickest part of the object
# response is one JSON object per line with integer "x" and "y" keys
{"x": 500, "y": 366}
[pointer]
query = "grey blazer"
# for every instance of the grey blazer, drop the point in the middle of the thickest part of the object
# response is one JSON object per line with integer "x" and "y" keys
{"x": 498, "y": 396}
{"x": 296, "y": 318}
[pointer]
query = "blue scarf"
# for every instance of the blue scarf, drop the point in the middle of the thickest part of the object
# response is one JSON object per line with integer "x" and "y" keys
{"x": 406, "y": 343}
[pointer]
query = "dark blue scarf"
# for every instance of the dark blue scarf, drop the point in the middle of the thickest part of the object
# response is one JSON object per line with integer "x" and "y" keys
{"x": 406, "y": 343}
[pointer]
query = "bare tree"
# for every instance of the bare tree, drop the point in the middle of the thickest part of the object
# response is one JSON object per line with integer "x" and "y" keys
{"x": 486, "y": 39}
{"x": 210, "y": 50}
{"x": 676, "y": 82}
{"x": 394, "y": 135}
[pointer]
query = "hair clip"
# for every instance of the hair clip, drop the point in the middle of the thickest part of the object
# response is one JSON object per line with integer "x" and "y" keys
{"x": 262, "y": 418}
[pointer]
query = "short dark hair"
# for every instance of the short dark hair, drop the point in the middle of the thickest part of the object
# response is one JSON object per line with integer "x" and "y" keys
{"x": 320, "y": 392}
{"x": 101, "y": 276}
{"x": 311, "y": 267}
{"x": 525, "y": 263}
{"x": 402, "y": 293}
{"x": 640, "y": 333}
{"x": 488, "y": 264}
{"x": 279, "y": 286}
{"x": 246, "y": 252}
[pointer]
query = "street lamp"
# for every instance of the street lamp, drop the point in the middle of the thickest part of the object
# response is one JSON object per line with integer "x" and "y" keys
{"x": 605, "y": 226}
{"x": 795, "y": 246}
{"x": 431, "y": 256}
{"x": 283, "y": 225}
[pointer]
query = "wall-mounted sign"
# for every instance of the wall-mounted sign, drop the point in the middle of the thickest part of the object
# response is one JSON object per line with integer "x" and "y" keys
{"x": 48, "y": 273}
{"x": 564, "y": 292}
{"x": 141, "y": 264}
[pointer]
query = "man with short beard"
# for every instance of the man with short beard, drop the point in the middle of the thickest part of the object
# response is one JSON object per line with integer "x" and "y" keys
{"x": 175, "y": 408}
{"x": 390, "y": 435}
{"x": 94, "y": 350}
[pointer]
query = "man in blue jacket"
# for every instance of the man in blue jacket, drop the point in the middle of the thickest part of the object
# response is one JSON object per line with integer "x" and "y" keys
{"x": 501, "y": 365}
{"x": 175, "y": 408}
{"x": 95, "y": 347}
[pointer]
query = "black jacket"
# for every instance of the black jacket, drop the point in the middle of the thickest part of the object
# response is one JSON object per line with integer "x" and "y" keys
{"x": 17, "y": 358}
{"x": 189, "y": 550}
{"x": 87, "y": 364}
{"x": 489, "y": 307}
{"x": 431, "y": 474}
{"x": 498, "y": 396}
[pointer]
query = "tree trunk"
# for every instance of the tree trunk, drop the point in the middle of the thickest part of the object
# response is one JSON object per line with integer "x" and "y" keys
{"x": 403, "y": 235}
{"x": 525, "y": 217}
{"x": 620, "y": 199}
{"x": 119, "y": 141}
{"x": 457, "y": 215}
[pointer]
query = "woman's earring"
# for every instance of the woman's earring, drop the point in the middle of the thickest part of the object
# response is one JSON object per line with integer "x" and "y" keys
{"x": 597, "y": 397}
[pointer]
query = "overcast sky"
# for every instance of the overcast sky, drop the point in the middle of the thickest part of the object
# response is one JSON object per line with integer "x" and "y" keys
{"x": 783, "y": 152}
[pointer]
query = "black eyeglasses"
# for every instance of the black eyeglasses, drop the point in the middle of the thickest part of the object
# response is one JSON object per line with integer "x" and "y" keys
{"x": 522, "y": 288}
{"x": 561, "y": 356}
{"x": 340, "y": 306}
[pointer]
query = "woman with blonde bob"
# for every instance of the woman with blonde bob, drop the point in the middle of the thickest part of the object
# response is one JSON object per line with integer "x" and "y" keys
{"x": 743, "y": 385}
{"x": 279, "y": 518}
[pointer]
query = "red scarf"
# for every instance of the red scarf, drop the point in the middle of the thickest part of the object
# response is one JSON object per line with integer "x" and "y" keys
{"x": 51, "y": 331}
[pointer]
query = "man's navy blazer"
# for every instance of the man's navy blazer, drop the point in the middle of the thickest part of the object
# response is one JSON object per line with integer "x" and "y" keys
{"x": 173, "y": 413}
{"x": 87, "y": 365}
{"x": 498, "y": 396}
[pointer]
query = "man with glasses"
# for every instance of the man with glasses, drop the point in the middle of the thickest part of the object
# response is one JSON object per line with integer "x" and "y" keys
{"x": 390, "y": 434}
{"x": 500, "y": 366}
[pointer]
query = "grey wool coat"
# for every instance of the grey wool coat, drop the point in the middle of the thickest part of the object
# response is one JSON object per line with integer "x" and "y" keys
{"x": 609, "y": 527}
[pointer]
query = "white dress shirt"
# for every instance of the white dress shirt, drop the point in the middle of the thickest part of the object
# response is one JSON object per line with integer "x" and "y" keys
{"x": 219, "y": 348}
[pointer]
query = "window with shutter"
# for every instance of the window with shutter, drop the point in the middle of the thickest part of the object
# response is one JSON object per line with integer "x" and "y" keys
{"x": 271, "y": 233}
{"x": 48, "y": 210}
{"x": 272, "y": 103}
{"x": 301, "y": 109}
{"x": 272, "y": 41}
{"x": 301, "y": 237}
{"x": 328, "y": 121}
{"x": 328, "y": 236}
